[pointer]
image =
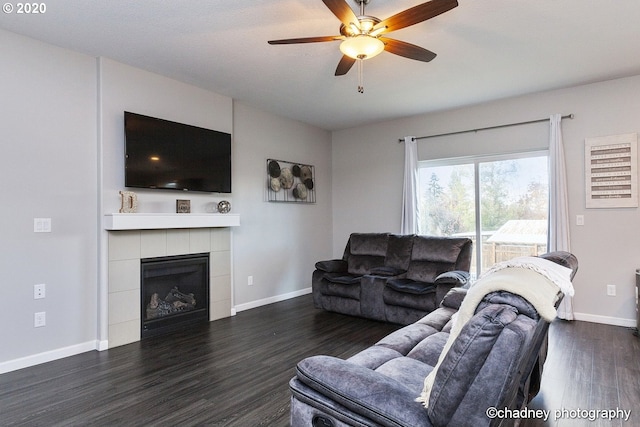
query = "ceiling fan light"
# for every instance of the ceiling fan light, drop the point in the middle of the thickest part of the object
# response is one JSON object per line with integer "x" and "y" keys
{"x": 361, "y": 47}
{"x": 377, "y": 31}
{"x": 367, "y": 25}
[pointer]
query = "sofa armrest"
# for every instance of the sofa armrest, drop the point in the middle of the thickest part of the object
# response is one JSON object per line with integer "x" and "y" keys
{"x": 448, "y": 280}
{"x": 366, "y": 392}
{"x": 453, "y": 298}
{"x": 456, "y": 278}
{"x": 332, "y": 266}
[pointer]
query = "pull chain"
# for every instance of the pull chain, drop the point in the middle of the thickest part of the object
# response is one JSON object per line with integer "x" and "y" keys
{"x": 360, "y": 75}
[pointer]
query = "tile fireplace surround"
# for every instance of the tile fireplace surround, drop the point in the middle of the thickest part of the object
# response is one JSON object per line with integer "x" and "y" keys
{"x": 128, "y": 246}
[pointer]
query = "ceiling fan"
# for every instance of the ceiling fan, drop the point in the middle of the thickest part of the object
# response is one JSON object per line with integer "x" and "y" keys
{"x": 362, "y": 35}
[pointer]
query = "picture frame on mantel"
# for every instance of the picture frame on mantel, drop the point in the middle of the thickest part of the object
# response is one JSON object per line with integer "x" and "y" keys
{"x": 611, "y": 171}
{"x": 183, "y": 206}
{"x": 291, "y": 182}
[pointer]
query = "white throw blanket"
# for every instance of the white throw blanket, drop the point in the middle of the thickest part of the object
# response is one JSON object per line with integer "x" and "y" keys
{"x": 537, "y": 280}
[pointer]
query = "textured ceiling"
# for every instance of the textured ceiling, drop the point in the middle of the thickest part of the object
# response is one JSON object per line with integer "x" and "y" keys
{"x": 487, "y": 49}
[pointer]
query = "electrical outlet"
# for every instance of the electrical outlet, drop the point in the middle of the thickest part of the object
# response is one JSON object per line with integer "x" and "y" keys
{"x": 39, "y": 291}
{"x": 39, "y": 319}
{"x": 611, "y": 290}
{"x": 250, "y": 281}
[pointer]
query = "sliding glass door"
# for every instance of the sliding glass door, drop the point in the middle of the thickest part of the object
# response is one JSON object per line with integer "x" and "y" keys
{"x": 502, "y": 202}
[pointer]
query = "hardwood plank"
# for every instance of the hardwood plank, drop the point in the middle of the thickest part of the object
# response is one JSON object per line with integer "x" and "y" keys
{"x": 231, "y": 372}
{"x": 603, "y": 397}
{"x": 589, "y": 367}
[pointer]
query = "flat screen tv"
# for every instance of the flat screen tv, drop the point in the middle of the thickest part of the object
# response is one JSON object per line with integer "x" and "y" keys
{"x": 173, "y": 156}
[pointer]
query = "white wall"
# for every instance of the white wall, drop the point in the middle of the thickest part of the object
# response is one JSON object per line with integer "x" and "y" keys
{"x": 48, "y": 168}
{"x": 277, "y": 243}
{"x": 61, "y": 117}
{"x": 272, "y": 243}
{"x": 124, "y": 88}
{"x": 368, "y": 163}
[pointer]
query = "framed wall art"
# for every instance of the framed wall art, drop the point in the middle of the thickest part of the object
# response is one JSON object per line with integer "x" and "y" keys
{"x": 611, "y": 171}
{"x": 290, "y": 182}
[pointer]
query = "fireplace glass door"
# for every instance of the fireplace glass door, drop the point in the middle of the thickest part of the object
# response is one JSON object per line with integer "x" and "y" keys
{"x": 174, "y": 293}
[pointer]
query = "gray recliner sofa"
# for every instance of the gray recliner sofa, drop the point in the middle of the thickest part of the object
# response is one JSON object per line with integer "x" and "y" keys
{"x": 494, "y": 360}
{"x": 390, "y": 277}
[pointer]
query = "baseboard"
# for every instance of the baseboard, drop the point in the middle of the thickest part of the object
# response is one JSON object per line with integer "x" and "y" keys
{"x": 271, "y": 300}
{"x": 606, "y": 320}
{"x": 60, "y": 353}
{"x": 47, "y": 356}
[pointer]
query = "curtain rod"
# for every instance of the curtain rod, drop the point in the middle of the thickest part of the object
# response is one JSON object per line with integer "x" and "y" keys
{"x": 568, "y": 116}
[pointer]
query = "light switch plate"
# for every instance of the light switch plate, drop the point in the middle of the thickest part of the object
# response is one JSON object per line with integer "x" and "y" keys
{"x": 42, "y": 225}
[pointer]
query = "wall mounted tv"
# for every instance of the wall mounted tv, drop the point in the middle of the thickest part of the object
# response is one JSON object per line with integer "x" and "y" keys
{"x": 173, "y": 156}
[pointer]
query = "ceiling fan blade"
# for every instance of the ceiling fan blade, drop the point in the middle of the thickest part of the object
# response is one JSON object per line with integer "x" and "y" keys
{"x": 407, "y": 50}
{"x": 307, "y": 40}
{"x": 344, "y": 65}
{"x": 416, "y": 14}
{"x": 342, "y": 10}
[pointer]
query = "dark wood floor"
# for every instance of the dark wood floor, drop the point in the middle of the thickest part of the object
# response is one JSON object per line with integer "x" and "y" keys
{"x": 234, "y": 372}
{"x": 589, "y": 367}
{"x": 231, "y": 372}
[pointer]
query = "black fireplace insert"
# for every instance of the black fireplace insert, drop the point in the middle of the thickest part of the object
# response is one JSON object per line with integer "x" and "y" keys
{"x": 174, "y": 293}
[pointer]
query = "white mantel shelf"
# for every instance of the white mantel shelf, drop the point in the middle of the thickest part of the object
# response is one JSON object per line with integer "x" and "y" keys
{"x": 155, "y": 221}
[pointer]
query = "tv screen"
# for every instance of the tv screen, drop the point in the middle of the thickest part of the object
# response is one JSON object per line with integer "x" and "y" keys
{"x": 173, "y": 156}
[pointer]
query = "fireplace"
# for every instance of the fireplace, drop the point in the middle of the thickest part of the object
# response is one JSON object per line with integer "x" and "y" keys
{"x": 126, "y": 249}
{"x": 174, "y": 293}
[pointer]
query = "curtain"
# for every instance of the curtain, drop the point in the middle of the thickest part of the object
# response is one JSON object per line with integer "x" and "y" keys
{"x": 409, "y": 223}
{"x": 558, "y": 235}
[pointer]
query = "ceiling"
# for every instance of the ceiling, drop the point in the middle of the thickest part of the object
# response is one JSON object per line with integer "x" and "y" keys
{"x": 487, "y": 50}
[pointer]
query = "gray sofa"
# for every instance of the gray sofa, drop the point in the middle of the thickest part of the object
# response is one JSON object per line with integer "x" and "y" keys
{"x": 495, "y": 361}
{"x": 389, "y": 277}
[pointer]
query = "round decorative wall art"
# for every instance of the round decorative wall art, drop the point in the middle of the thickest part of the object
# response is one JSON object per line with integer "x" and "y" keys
{"x": 290, "y": 182}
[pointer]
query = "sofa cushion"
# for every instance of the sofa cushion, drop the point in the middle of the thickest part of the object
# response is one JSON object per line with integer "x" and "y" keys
{"x": 398, "y": 253}
{"x": 437, "y": 249}
{"x": 427, "y": 271}
{"x": 345, "y": 279}
{"x": 410, "y": 286}
{"x": 424, "y": 302}
{"x": 366, "y": 251}
{"x": 363, "y": 264}
{"x": 375, "y": 356}
{"x": 405, "y": 339}
{"x": 428, "y": 350}
{"x": 368, "y": 244}
{"x": 432, "y": 256}
{"x": 379, "y": 398}
{"x": 387, "y": 271}
{"x": 439, "y": 319}
{"x": 340, "y": 290}
{"x": 407, "y": 371}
